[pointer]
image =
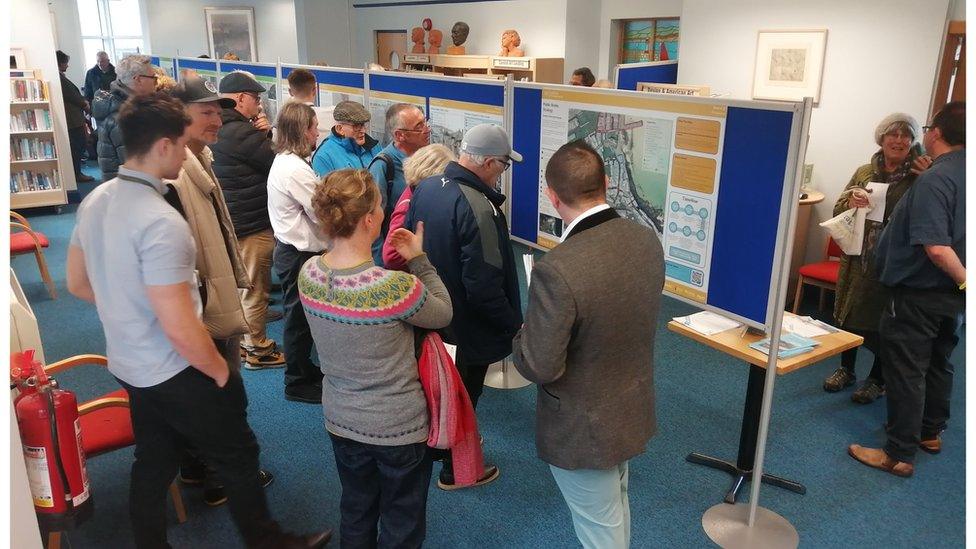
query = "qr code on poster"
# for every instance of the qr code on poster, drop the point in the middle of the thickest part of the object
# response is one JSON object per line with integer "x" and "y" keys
{"x": 697, "y": 278}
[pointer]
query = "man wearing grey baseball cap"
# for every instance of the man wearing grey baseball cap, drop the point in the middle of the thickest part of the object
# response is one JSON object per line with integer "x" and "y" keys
{"x": 466, "y": 238}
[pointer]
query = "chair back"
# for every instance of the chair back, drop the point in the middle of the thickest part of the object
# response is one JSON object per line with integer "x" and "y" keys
{"x": 833, "y": 250}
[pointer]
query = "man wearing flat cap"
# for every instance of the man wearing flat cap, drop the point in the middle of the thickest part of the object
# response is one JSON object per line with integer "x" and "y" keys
{"x": 243, "y": 156}
{"x": 466, "y": 238}
{"x": 348, "y": 145}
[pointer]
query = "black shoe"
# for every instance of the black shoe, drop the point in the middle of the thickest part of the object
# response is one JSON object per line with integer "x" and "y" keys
{"x": 445, "y": 480}
{"x": 291, "y": 541}
{"x": 312, "y": 394}
{"x": 273, "y": 315}
{"x": 840, "y": 379}
{"x": 192, "y": 472}
{"x": 215, "y": 496}
{"x": 82, "y": 178}
{"x": 867, "y": 393}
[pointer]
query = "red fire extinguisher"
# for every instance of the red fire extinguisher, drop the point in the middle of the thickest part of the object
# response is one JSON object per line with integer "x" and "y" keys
{"x": 50, "y": 433}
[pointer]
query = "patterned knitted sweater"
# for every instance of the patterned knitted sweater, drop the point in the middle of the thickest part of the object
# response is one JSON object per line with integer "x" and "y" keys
{"x": 362, "y": 321}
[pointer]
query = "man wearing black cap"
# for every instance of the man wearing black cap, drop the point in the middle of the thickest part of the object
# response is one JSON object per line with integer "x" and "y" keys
{"x": 466, "y": 238}
{"x": 242, "y": 158}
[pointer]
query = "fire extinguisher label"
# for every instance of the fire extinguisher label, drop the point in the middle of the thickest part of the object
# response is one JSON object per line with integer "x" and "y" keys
{"x": 38, "y": 476}
{"x": 83, "y": 496}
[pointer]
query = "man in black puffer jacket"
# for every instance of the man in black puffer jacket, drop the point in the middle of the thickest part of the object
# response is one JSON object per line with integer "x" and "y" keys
{"x": 135, "y": 77}
{"x": 243, "y": 156}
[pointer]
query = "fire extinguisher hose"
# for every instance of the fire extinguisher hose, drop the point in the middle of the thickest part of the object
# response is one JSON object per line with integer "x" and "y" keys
{"x": 53, "y": 421}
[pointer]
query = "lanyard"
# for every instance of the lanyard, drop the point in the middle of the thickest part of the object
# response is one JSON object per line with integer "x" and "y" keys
{"x": 137, "y": 180}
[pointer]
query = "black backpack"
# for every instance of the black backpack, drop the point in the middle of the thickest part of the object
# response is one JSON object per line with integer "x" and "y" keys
{"x": 389, "y": 171}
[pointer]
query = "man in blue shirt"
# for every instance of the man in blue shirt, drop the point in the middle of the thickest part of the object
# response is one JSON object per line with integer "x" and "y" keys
{"x": 408, "y": 131}
{"x": 921, "y": 256}
{"x": 133, "y": 255}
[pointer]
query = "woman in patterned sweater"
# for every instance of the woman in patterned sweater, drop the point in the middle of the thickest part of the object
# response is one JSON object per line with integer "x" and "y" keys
{"x": 362, "y": 319}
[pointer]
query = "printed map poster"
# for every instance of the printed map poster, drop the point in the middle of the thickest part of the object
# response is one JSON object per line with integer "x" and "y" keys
{"x": 379, "y": 102}
{"x": 330, "y": 95}
{"x": 269, "y": 100}
{"x": 168, "y": 64}
{"x": 450, "y": 119}
{"x": 663, "y": 158}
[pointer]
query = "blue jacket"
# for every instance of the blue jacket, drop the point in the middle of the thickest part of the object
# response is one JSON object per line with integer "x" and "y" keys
{"x": 337, "y": 152}
{"x": 466, "y": 238}
{"x": 378, "y": 169}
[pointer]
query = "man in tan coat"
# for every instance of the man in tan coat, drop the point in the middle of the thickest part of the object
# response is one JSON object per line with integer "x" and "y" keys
{"x": 220, "y": 269}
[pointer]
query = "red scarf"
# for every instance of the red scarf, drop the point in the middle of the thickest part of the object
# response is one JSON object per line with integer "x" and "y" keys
{"x": 452, "y": 421}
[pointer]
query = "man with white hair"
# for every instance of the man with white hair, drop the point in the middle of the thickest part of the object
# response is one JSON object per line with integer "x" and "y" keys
{"x": 99, "y": 77}
{"x": 135, "y": 77}
{"x": 466, "y": 238}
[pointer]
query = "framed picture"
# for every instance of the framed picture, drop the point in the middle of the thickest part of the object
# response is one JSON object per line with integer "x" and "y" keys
{"x": 789, "y": 64}
{"x": 17, "y": 58}
{"x": 231, "y": 31}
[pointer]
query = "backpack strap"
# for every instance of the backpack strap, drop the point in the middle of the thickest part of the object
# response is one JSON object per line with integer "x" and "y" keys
{"x": 389, "y": 171}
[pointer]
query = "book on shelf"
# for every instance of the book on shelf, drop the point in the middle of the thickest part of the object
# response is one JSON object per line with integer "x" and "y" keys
{"x": 30, "y": 120}
{"x": 29, "y": 180}
{"x": 31, "y": 149}
{"x": 25, "y": 90}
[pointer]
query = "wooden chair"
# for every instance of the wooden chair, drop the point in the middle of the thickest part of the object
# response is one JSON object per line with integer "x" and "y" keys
{"x": 106, "y": 427}
{"x": 822, "y": 274}
{"x": 27, "y": 240}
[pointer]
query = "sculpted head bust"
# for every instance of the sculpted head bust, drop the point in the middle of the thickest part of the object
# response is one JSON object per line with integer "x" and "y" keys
{"x": 459, "y": 32}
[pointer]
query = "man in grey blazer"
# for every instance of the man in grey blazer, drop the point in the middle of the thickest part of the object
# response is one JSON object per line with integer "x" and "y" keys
{"x": 588, "y": 342}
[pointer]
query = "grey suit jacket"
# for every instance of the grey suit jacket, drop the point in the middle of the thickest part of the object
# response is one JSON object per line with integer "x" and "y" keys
{"x": 588, "y": 342}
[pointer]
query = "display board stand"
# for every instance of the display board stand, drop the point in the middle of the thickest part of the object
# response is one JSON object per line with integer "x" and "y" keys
{"x": 628, "y": 75}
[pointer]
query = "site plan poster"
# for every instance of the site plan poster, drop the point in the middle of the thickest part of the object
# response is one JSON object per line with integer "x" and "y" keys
{"x": 663, "y": 158}
{"x": 331, "y": 95}
{"x": 450, "y": 119}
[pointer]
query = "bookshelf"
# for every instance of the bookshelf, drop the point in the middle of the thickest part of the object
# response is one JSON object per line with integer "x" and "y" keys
{"x": 35, "y": 175}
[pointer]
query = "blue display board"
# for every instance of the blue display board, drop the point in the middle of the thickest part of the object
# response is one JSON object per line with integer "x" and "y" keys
{"x": 350, "y": 78}
{"x": 268, "y": 71}
{"x": 751, "y": 147}
{"x": 450, "y": 88}
{"x": 661, "y": 72}
{"x": 205, "y": 67}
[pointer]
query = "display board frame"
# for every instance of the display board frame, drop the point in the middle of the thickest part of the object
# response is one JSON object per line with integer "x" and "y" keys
{"x": 791, "y": 147}
{"x": 626, "y": 76}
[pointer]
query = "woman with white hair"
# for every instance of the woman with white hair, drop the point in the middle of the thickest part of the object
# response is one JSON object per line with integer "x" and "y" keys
{"x": 426, "y": 162}
{"x": 135, "y": 77}
{"x": 860, "y": 297}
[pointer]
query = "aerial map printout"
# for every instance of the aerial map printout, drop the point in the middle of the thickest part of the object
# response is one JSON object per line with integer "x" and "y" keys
{"x": 663, "y": 158}
{"x": 450, "y": 119}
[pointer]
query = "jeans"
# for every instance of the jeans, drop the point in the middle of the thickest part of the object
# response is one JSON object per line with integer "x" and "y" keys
{"x": 382, "y": 485}
{"x": 599, "y": 504}
{"x": 300, "y": 371}
{"x": 189, "y": 408}
{"x": 256, "y": 253}
{"x": 919, "y": 330}
{"x": 76, "y": 140}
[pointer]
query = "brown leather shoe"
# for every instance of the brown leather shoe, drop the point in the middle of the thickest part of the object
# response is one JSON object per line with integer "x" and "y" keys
{"x": 931, "y": 446}
{"x": 877, "y": 458}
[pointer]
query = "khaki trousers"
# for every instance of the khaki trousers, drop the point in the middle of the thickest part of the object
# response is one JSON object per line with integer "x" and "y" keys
{"x": 256, "y": 250}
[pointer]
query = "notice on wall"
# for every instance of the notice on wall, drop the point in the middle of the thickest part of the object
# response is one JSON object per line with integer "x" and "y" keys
{"x": 330, "y": 95}
{"x": 450, "y": 119}
{"x": 379, "y": 102}
{"x": 663, "y": 158}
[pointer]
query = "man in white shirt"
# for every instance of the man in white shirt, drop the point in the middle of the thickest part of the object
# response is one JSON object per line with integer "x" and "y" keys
{"x": 303, "y": 87}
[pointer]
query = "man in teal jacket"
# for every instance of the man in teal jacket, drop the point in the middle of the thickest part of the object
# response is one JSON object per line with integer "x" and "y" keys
{"x": 348, "y": 146}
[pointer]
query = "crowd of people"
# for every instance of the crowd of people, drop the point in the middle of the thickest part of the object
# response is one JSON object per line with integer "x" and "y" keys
{"x": 376, "y": 245}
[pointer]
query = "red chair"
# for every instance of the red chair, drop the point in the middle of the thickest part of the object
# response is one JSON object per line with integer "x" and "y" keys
{"x": 27, "y": 241}
{"x": 822, "y": 274}
{"x": 106, "y": 427}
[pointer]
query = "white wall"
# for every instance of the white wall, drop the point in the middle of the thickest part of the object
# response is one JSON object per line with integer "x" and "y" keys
{"x": 957, "y": 10}
{"x": 324, "y": 32}
{"x": 31, "y": 30}
{"x": 629, "y": 9}
{"x": 69, "y": 39}
{"x": 541, "y": 24}
{"x": 582, "y": 36}
{"x": 873, "y": 66}
{"x": 180, "y": 25}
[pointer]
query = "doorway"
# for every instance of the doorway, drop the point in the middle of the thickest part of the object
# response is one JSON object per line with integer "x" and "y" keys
{"x": 390, "y": 47}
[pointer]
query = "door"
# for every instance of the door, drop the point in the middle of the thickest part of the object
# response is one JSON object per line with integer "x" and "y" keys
{"x": 390, "y": 47}
{"x": 951, "y": 84}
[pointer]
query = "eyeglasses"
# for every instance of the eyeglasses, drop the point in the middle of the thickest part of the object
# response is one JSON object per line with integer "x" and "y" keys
{"x": 423, "y": 128}
{"x": 503, "y": 163}
{"x": 357, "y": 127}
{"x": 926, "y": 128}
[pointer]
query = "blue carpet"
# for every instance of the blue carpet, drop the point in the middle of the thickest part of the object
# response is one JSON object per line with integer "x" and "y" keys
{"x": 699, "y": 405}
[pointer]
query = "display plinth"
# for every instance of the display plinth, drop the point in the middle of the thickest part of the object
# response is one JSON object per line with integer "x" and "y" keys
{"x": 503, "y": 375}
{"x": 728, "y": 526}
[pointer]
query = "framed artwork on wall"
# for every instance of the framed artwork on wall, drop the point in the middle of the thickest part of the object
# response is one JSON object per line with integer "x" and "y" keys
{"x": 789, "y": 64}
{"x": 231, "y": 31}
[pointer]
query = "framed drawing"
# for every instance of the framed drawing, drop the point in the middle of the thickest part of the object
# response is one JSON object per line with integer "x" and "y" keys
{"x": 231, "y": 30}
{"x": 789, "y": 64}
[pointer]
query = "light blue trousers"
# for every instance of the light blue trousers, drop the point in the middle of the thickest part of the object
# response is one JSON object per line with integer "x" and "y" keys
{"x": 597, "y": 500}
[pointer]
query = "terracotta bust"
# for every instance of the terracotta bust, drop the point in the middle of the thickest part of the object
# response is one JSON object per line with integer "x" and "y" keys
{"x": 510, "y": 44}
{"x": 417, "y": 37}
{"x": 459, "y": 33}
{"x": 434, "y": 38}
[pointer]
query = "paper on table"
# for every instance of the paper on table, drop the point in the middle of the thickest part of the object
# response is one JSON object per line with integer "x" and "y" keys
{"x": 708, "y": 323}
{"x": 802, "y": 326}
{"x": 528, "y": 260}
{"x": 877, "y": 198}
